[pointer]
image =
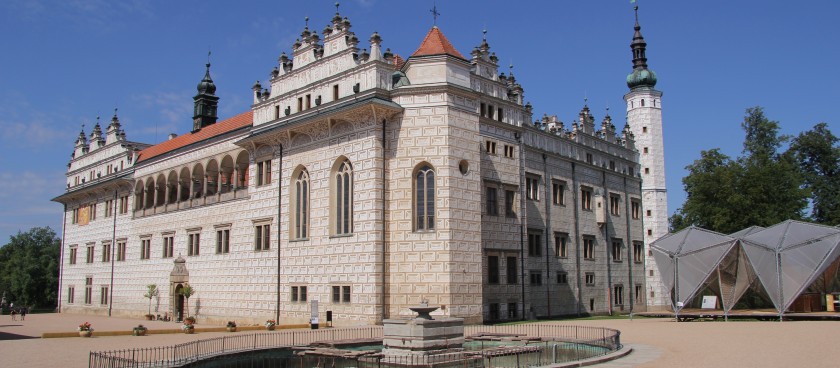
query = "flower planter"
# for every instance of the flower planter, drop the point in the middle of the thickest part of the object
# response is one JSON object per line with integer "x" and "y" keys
{"x": 231, "y": 329}
{"x": 85, "y": 333}
{"x": 270, "y": 328}
{"x": 189, "y": 330}
{"x": 138, "y": 332}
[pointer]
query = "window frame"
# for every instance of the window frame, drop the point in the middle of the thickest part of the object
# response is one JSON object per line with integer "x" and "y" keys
{"x": 424, "y": 215}
{"x": 586, "y": 198}
{"x": 588, "y": 247}
{"x": 561, "y": 245}
{"x": 168, "y": 240}
{"x": 193, "y": 243}
{"x": 558, "y": 192}
{"x": 106, "y": 251}
{"x": 262, "y": 235}
{"x": 343, "y": 189}
{"x": 534, "y": 243}
{"x": 300, "y": 204}
{"x": 615, "y": 204}
{"x": 223, "y": 239}
{"x": 491, "y": 200}
{"x": 511, "y": 271}
{"x": 493, "y": 270}
{"x": 616, "y": 250}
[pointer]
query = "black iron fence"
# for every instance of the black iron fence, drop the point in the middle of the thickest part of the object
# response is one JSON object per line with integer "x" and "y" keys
{"x": 522, "y": 345}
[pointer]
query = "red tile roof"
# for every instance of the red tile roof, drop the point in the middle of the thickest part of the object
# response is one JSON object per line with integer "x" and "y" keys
{"x": 398, "y": 61}
{"x": 210, "y": 131}
{"x": 436, "y": 43}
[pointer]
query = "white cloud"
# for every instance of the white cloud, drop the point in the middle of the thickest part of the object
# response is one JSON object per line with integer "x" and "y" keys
{"x": 174, "y": 108}
{"x": 22, "y": 126}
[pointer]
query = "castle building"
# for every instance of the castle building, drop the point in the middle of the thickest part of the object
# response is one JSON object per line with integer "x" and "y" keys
{"x": 360, "y": 183}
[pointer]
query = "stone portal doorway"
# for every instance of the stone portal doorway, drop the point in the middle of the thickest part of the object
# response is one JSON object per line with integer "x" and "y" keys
{"x": 177, "y": 278}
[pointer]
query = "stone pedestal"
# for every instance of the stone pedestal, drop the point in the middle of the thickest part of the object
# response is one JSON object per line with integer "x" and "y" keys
{"x": 422, "y": 335}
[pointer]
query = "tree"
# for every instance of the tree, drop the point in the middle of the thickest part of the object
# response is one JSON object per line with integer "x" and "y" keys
{"x": 187, "y": 291}
{"x": 151, "y": 292}
{"x": 818, "y": 156}
{"x": 29, "y": 268}
{"x": 762, "y": 187}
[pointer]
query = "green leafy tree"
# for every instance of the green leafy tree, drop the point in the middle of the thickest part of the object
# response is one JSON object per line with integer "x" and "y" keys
{"x": 29, "y": 268}
{"x": 151, "y": 293}
{"x": 187, "y": 291}
{"x": 762, "y": 187}
{"x": 818, "y": 155}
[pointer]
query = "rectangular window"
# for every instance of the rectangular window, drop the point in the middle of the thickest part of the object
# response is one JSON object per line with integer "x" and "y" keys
{"x": 534, "y": 246}
{"x": 615, "y": 206}
{"x": 532, "y": 188}
{"x": 590, "y": 278}
{"x": 536, "y": 278}
{"x": 558, "y": 190}
{"x": 103, "y": 295}
{"x": 106, "y": 252}
{"x": 145, "y": 248}
{"x": 510, "y": 197}
{"x": 499, "y": 114}
{"x": 168, "y": 246}
{"x": 483, "y": 111}
{"x": 588, "y": 248}
{"x": 262, "y": 237}
{"x": 92, "y": 212}
{"x": 511, "y": 270}
{"x": 508, "y": 151}
{"x": 638, "y": 294}
{"x": 561, "y": 241}
{"x": 493, "y": 314}
{"x": 586, "y": 199}
{"x": 73, "y": 251}
{"x": 635, "y": 208}
{"x": 492, "y": 202}
{"x": 223, "y": 241}
{"x": 88, "y": 290}
{"x": 193, "y": 244}
{"x": 618, "y": 295}
{"x": 308, "y": 102}
{"x": 616, "y": 250}
{"x": 300, "y": 104}
{"x": 492, "y": 269}
{"x": 589, "y": 158}
{"x": 612, "y": 165}
{"x": 341, "y": 294}
{"x": 121, "y": 250}
{"x": 123, "y": 205}
{"x": 71, "y": 294}
{"x": 491, "y": 147}
{"x": 562, "y": 278}
{"x": 277, "y": 112}
{"x": 89, "y": 254}
{"x": 335, "y": 92}
{"x": 298, "y": 294}
{"x": 264, "y": 172}
{"x": 638, "y": 251}
{"x": 109, "y": 207}
{"x": 512, "y": 311}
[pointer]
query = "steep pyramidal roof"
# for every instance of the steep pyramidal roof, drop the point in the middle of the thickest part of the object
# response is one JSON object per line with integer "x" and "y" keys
{"x": 436, "y": 43}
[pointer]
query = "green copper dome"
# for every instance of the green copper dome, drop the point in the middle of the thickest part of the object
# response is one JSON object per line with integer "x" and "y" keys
{"x": 641, "y": 78}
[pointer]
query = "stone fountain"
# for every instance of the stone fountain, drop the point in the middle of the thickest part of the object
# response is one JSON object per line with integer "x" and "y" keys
{"x": 422, "y": 336}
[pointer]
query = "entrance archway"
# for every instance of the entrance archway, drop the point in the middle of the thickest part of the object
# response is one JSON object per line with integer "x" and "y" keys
{"x": 177, "y": 278}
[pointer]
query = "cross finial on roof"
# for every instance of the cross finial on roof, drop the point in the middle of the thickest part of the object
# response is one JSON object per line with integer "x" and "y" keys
{"x": 115, "y": 111}
{"x": 208, "y": 55}
{"x": 485, "y": 34}
{"x": 435, "y": 13}
{"x": 336, "y": 7}
{"x": 306, "y": 20}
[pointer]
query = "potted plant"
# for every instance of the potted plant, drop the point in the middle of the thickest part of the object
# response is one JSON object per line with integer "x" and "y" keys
{"x": 140, "y": 330}
{"x": 270, "y": 324}
{"x": 231, "y": 326}
{"x": 189, "y": 325}
{"x": 85, "y": 330}
{"x": 151, "y": 292}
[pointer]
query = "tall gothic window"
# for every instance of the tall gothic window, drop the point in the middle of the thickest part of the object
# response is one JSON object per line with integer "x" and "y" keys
{"x": 301, "y": 205}
{"x": 424, "y": 199}
{"x": 344, "y": 198}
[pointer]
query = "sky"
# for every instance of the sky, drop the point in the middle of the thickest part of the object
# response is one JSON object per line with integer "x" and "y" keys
{"x": 65, "y": 62}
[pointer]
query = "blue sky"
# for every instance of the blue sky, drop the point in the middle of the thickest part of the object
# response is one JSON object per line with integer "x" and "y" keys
{"x": 63, "y": 63}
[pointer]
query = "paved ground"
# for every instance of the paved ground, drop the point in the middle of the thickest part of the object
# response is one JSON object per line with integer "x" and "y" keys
{"x": 656, "y": 342}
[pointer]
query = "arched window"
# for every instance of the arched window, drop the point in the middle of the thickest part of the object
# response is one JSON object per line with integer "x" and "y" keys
{"x": 424, "y": 199}
{"x": 343, "y": 198}
{"x": 643, "y": 102}
{"x": 301, "y": 205}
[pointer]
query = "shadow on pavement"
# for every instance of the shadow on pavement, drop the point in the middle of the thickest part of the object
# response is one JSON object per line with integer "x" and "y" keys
{"x": 11, "y": 336}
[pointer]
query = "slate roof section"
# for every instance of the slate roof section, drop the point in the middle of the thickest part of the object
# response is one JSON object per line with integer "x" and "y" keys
{"x": 436, "y": 43}
{"x": 239, "y": 121}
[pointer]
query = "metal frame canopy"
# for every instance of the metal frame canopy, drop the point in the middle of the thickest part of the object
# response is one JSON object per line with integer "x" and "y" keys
{"x": 785, "y": 258}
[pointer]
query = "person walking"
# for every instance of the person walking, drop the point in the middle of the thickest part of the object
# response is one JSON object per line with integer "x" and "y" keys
{"x": 23, "y": 313}
{"x": 14, "y": 315}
